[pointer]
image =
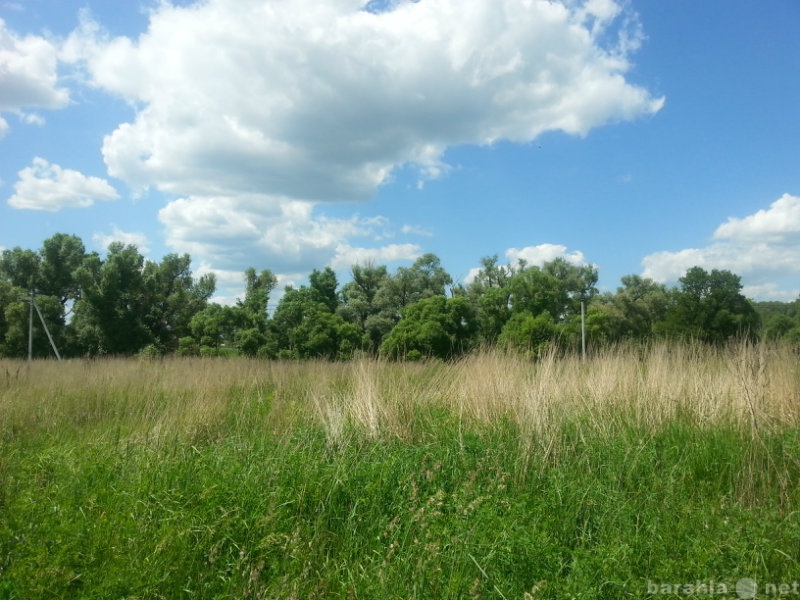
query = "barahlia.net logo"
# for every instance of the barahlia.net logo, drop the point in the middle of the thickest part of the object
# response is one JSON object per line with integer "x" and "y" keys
{"x": 745, "y": 588}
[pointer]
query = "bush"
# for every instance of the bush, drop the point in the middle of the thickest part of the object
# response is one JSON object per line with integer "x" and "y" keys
{"x": 151, "y": 352}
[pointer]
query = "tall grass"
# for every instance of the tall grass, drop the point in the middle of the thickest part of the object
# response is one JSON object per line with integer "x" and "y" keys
{"x": 493, "y": 476}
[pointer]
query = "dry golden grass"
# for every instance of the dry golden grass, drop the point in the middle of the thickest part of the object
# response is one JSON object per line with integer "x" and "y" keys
{"x": 748, "y": 385}
{"x": 756, "y": 387}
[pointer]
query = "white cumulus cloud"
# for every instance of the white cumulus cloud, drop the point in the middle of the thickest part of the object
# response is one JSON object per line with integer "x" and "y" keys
{"x": 536, "y": 256}
{"x": 28, "y": 75}
{"x": 253, "y": 113}
{"x": 285, "y": 235}
{"x": 542, "y": 253}
{"x": 780, "y": 223}
{"x": 320, "y": 100}
{"x": 45, "y": 186}
{"x": 762, "y": 248}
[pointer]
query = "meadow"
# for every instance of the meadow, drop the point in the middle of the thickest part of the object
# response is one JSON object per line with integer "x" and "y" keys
{"x": 660, "y": 471}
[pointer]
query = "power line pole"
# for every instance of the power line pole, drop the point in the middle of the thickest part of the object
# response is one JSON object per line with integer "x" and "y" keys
{"x": 583, "y": 328}
{"x": 44, "y": 325}
{"x": 30, "y": 330}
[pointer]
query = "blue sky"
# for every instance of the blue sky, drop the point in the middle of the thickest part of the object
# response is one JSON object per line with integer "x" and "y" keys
{"x": 642, "y": 137}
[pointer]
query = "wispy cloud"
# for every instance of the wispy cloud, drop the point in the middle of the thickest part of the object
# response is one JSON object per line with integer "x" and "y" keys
{"x": 347, "y": 256}
{"x": 415, "y": 230}
{"x": 103, "y": 240}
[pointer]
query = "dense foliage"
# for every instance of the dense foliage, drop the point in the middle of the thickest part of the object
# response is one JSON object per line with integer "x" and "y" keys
{"x": 122, "y": 304}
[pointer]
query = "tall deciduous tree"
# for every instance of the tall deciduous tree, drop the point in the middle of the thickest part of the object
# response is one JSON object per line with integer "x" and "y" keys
{"x": 424, "y": 279}
{"x": 21, "y": 268}
{"x": 360, "y": 305}
{"x": 528, "y": 333}
{"x": 212, "y": 328}
{"x": 50, "y": 275}
{"x": 323, "y": 286}
{"x": 61, "y": 257}
{"x": 490, "y": 294}
{"x": 641, "y": 303}
{"x": 258, "y": 287}
{"x": 710, "y": 307}
{"x": 111, "y": 314}
{"x": 252, "y": 336}
{"x": 434, "y": 327}
{"x": 305, "y": 326}
{"x": 535, "y": 291}
{"x": 172, "y": 297}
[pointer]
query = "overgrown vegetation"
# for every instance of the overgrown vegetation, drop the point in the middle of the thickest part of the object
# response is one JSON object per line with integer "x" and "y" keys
{"x": 122, "y": 305}
{"x": 489, "y": 477}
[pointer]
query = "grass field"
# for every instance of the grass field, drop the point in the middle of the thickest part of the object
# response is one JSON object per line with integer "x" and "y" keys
{"x": 670, "y": 471}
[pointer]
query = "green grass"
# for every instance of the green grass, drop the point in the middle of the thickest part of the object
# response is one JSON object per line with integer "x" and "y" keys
{"x": 235, "y": 487}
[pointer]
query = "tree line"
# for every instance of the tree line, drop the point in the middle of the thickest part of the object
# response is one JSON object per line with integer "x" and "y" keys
{"x": 123, "y": 304}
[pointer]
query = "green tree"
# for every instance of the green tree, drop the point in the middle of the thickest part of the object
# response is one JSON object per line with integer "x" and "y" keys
{"x": 21, "y": 268}
{"x": 18, "y": 315}
{"x": 435, "y": 327}
{"x": 172, "y": 297}
{"x": 8, "y": 295}
{"x": 305, "y": 327}
{"x": 50, "y": 275}
{"x": 528, "y": 333}
{"x": 323, "y": 286}
{"x": 780, "y": 320}
{"x": 20, "y": 274}
{"x": 61, "y": 257}
{"x": 424, "y": 279}
{"x": 558, "y": 288}
{"x": 710, "y": 307}
{"x": 254, "y": 307}
{"x": 778, "y": 327}
{"x": 374, "y": 300}
{"x": 214, "y": 327}
{"x": 642, "y": 303}
{"x": 253, "y": 335}
{"x": 289, "y": 315}
{"x": 111, "y": 314}
{"x": 535, "y": 291}
{"x": 578, "y": 282}
{"x": 322, "y": 334}
{"x": 490, "y": 294}
{"x": 360, "y": 306}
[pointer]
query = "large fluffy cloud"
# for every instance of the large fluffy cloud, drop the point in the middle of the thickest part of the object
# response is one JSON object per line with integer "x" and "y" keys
{"x": 254, "y": 112}
{"x": 780, "y": 223}
{"x": 45, "y": 186}
{"x": 319, "y": 99}
{"x": 762, "y": 248}
{"x": 28, "y": 75}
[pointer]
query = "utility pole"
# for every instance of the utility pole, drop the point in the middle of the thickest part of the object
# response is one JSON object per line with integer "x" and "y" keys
{"x": 30, "y": 330}
{"x": 44, "y": 325}
{"x": 583, "y": 328}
